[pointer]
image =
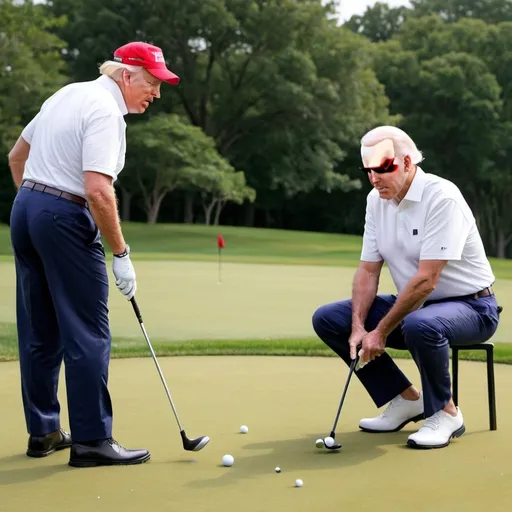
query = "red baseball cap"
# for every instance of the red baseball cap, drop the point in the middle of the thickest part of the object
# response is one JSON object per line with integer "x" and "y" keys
{"x": 149, "y": 57}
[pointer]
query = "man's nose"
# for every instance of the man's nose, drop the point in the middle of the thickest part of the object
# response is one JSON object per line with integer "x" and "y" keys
{"x": 374, "y": 177}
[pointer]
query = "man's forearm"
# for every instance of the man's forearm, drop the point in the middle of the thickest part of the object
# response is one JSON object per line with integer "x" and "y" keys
{"x": 411, "y": 298}
{"x": 17, "y": 169}
{"x": 364, "y": 291}
{"x": 103, "y": 207}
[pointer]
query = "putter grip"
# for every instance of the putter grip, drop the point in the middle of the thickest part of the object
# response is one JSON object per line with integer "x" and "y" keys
{"x": 136, "y": 309}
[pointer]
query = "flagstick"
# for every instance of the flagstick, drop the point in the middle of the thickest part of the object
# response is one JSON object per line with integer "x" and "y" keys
{"x": 220, "y": 264}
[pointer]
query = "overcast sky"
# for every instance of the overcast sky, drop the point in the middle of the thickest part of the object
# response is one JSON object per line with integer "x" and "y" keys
{"x": 350, "y": 7}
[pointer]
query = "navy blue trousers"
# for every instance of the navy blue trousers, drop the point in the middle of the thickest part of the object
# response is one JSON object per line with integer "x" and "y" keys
{"x": 427, "y": 333}
{"x": 62, "y": 314}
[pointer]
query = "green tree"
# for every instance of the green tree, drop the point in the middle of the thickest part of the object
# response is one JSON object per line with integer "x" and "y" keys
{"x": 491, "y": 11}
{"x": 379, "y": 22}
{"x": 283, "y": 91}
{"x": 164, "y": 154}
{"x": 31, "y": 69}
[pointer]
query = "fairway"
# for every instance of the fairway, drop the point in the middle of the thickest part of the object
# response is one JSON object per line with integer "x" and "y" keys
{"x": 287, "y": 403}
{"x": 183, "y": 300}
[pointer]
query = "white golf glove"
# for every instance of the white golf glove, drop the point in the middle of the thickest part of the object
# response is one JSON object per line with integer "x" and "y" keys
{"x": 124, "y": 274}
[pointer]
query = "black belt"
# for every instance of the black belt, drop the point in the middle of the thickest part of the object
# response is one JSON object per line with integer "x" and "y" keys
{"x": 54, "y": 191}
{"x": 486, "y": 292}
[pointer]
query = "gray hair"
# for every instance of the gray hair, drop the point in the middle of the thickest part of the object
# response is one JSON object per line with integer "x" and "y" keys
{"x": 403, "y": 144}
{"x": 114, "y": 69}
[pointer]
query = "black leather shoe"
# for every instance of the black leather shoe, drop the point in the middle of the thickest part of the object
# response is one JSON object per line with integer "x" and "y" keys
{"x": 41, "y": 446}
{"x": 107, "y": 453}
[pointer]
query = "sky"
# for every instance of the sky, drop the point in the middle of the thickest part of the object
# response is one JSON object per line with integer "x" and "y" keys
{"x": 350, "y": 7}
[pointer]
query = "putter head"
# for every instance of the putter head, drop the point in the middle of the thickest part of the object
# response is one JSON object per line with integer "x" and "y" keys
{"x": 194, "y": 445}
{"x": 335, "y": 446}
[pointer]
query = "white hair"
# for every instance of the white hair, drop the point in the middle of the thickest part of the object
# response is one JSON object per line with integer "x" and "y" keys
{"x": 403, "y": 144}
{"x": 114, "y": 69}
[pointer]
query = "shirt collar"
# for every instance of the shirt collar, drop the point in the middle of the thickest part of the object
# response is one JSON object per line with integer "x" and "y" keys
{"x": 111, "y": 86}
{"x": 417, "y": 187}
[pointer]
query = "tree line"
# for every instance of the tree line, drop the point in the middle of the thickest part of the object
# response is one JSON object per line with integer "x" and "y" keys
{"x": 264, "y": 128}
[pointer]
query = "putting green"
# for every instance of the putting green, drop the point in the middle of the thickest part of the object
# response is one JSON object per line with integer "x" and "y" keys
{"x": 287, "y": 403}
{"x": 182, "y": 300}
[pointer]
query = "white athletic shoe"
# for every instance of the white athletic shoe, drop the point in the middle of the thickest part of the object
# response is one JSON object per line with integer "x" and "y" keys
{"x": 438, "y": 430}
{"x": 398, "y": 413}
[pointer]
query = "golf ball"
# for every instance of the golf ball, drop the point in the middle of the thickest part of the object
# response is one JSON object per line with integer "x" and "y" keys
{"x": 298, "y": 482}
{"x": 278, "y": 470}
{"x": 228, "y": 460}
{"x": 319, "y": 443}
{"x": 244, "y": 429}
{"x": 329, "y": 441}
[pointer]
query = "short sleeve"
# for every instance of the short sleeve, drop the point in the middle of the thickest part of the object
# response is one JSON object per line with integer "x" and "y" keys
{"x": 370, "y": 250}
{"x": 103, "y": 141}
{"x": 28, "y": 131}
{"x": 447, "y": 228}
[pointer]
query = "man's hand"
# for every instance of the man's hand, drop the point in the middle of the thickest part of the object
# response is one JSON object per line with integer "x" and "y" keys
{"x": 358, "y": 334}
{"x": 373, "y": 345}
{"x": 125, "y": 275}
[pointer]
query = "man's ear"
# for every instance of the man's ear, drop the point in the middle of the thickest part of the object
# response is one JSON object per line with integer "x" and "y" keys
{"x": 407, "y": 163}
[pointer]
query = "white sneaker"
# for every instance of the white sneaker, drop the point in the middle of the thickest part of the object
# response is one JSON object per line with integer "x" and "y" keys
{"x": 438, "y": 430}
{"x": 398, "y": 413}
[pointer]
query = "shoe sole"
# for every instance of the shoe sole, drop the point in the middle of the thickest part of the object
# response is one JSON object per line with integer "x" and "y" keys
{"x": 400, "y": 427}
{"x": 38, "y": 455}
{"x": 96, "y": 463}
{"x": 457, "y": 433}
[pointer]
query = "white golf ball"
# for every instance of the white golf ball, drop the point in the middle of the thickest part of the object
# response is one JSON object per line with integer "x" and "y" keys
{"x": 298, "y": 482}
{"x": 244, "y": 429}
{"x": 319, "y": 443}
{"x": 228, "y": 460}
{"x": 329, "y": 441}
{"x": 278, "y": 470}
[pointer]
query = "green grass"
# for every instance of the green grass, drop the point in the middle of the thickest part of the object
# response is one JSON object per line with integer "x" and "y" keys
{"x": 310, "y": 347}
{"x": 251, "y": 313}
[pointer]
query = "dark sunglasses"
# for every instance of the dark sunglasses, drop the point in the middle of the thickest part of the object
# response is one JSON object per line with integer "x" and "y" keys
{"x": 387, "y": 166}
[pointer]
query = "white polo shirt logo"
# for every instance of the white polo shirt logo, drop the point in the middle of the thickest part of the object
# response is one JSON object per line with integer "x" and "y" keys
{"x": 432, "y": 222}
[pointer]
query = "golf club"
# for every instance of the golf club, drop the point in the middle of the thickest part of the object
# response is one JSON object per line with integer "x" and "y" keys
{"x": 353, "y": 365}
{"x": 191, "y": 445}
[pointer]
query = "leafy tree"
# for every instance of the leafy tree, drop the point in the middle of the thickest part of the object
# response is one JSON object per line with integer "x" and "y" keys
{"x": 256, "y": 77}
{"x": 31, "y": 69}
{"x": 491, "y": 11}
{"x": 164, "y": 154}
{"x": 379, "y": 22}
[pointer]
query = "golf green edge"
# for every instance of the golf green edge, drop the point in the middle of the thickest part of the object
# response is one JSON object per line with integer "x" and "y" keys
{"x": 308, "y": 347}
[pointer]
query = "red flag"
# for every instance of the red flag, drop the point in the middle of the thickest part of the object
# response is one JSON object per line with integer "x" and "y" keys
{"x": 220, "y": 242}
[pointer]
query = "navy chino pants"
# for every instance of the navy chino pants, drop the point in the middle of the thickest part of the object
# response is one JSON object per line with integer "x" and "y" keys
{"x": 427, "y": 333}
{"x": 62, "y": 314}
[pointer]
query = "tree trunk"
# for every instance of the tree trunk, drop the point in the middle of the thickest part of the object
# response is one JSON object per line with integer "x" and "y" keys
{"x": 208, "y": 209}
{"x": 189, "y": 208}
{"x": 502, "y": 241}
{"x": 218, "y": 210}
{"x": 153, "y": 208}
{"x": 126, "y": 198}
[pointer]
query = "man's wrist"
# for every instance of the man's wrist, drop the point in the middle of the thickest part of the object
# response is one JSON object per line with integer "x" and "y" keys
{"x": 123, "y": 253}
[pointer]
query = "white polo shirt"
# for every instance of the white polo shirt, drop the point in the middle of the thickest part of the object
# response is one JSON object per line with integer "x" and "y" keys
{"x": 432, "y": 222}
{"x": 79, "y": 128}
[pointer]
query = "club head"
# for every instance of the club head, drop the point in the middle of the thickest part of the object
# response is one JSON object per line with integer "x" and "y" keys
{"x": 194, "y": 445}
{"x": 335, "y": 446}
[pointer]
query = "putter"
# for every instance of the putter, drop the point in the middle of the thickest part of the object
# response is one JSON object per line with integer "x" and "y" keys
{"x": 353, "y": 366}
{"x": 191, "y": 445}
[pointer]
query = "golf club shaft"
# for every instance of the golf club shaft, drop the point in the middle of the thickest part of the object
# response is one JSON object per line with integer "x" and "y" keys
{"x": 139, "y": 318}
{"x": 351, "y": 371}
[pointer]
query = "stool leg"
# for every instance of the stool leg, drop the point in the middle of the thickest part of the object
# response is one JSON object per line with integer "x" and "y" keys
{"x": 491, "y": 388}
{"x": 455, "y": 374}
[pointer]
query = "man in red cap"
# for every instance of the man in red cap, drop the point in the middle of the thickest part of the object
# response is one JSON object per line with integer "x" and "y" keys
{"x": 64, "y": 166}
